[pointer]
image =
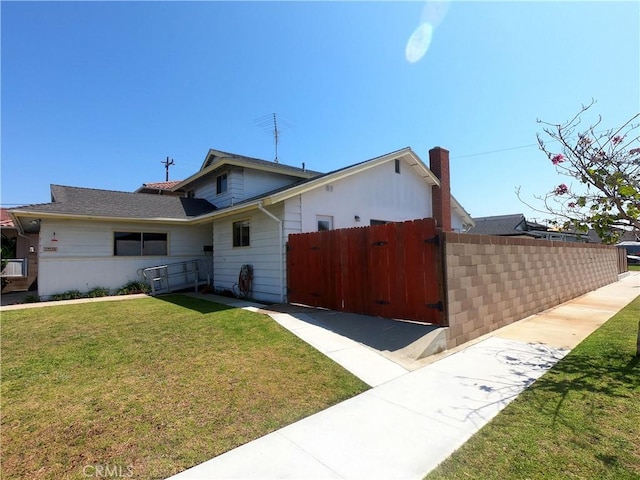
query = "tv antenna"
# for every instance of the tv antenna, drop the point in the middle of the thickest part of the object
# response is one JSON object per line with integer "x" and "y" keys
{"x": 167, "y": 163}
{"x": 269, "y": 123}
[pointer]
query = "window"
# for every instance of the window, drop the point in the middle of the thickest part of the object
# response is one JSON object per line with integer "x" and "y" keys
{"x": 373, "y": 222}
{"x": 221, "y": 184}
{"x": 397, "y": 165}
{"x": 241, "y": 233}
{"x": 135, "y": 244}
{"x": 324, "y": 223}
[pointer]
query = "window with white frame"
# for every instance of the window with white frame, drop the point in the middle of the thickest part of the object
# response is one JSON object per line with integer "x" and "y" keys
{"x": 242, "y": 233}
{"x": 325, "y": 223}
{"x": 134, "y": 244}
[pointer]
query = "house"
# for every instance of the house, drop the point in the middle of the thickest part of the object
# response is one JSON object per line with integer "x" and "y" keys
{"x": 20, "y": 272}
{"x": 235, "y": 210}
{"x": 160, "y": 188}
{"x": 516, "y": 225}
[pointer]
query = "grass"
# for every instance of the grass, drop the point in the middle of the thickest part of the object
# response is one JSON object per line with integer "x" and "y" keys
{"x": 579, "y": 420}
{"x": 634, "y": 268}
{"x": 149, "y": 387}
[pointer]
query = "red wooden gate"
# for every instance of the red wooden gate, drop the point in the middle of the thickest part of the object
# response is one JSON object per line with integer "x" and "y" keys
{"x": 387, "y": 270}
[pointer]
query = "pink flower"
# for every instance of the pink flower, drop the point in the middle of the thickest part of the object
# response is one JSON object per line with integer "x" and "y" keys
{"x": 634, "y": 151}
{"x": 556, "y": 159}
{"x": 561, "y": 189}
{"x": 571, "y": 204}
{"x": 585, "y": 141}
{"x": 616, "y": 140}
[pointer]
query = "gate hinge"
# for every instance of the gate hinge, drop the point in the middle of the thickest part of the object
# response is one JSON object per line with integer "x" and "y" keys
{"x": 379, "y": 244}
{"x": 435, "y": 240}
{"x": 436, "y": 306}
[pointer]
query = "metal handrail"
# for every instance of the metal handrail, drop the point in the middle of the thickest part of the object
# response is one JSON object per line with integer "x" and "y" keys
{"x": 172, "y": 276}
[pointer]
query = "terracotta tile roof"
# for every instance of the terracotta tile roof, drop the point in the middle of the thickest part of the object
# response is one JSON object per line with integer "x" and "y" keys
{"x": 162, "y": 185}
{"x": 5, "y": 219}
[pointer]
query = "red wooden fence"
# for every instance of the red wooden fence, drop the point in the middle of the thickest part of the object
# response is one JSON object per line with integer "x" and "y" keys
{"x": 387, "y": 270}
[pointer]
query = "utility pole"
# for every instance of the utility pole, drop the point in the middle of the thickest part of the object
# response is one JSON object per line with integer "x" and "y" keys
{"x": 167, "y": 164}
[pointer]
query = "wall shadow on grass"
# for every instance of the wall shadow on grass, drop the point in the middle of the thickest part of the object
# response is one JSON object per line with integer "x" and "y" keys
{"x": 195, "y": 304}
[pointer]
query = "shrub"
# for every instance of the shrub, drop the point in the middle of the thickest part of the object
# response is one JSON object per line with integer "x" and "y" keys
{"x": 31, "y": 298}
{"x": 134, "y": 287}
{"x": 68, "y": 295}
{"x": 98, "y": 292}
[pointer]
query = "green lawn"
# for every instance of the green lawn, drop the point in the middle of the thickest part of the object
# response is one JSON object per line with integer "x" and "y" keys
{"x": 580, "y": 420}
{"x": 634, "y": 267}
{"x": 149, "y": 387}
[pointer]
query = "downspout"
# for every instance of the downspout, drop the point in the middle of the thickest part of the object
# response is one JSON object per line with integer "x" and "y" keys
{"x": 280, "y": 228}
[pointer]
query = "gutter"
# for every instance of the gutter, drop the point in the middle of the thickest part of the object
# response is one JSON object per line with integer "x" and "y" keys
{"x": 280, "y": 228}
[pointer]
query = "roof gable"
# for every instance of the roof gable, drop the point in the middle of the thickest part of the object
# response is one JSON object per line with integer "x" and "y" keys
{"x": 217, "y": 158}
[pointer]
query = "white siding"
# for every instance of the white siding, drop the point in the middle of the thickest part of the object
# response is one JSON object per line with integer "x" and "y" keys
{"x": 378, "y": 193}
{"x": 242, "y": 183}
{"x": 84, "y": 253}
{"x": 206, "y": 187}
{"x": 263, "y": 254}
{"x": 257, "y": 182}
{"x": 457, "y": 224}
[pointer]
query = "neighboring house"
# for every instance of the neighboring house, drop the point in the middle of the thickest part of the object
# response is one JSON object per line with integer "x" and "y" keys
{"x": 235, "y": 210}
{"x": 516, "y": 225}
{"x": 21, "y": 269}
{"x": 160, "y": 188}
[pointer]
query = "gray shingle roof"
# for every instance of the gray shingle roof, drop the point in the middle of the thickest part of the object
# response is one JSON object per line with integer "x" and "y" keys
{"x": 498, "y": 225}
{"x": 109, "y": 203}
{"x": 216, "y": 155}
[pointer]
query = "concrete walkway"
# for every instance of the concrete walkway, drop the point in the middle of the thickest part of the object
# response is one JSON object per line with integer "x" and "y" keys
{"x": 412, "y": 420}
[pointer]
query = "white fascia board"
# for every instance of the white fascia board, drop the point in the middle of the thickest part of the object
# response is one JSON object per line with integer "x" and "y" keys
{"x": 69, "y": 216}
{"x": 466, "y": 218}
{"x": 225, "y": 212}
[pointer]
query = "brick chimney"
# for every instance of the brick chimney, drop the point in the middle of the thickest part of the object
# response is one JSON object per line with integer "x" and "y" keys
{"x": 441, "y": 196}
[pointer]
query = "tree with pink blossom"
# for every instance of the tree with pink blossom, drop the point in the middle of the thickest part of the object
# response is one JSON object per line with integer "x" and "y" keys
{"x": 603, "y": 166}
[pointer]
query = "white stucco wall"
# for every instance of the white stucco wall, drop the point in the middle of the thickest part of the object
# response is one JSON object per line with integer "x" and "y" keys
{"x": 84, "y": 253}
{"x": 378, "y": 193}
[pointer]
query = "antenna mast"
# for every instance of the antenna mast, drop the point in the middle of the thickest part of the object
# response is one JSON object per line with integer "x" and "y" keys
{"x": 275, "y": 135}
{"x": 272, "y": 125}
{"x": 167, "y": 164}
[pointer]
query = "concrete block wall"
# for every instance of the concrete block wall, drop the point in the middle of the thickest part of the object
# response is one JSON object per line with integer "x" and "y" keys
{"x": 494, "y": 281}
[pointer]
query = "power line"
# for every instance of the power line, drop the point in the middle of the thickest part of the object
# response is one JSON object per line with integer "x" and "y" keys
{"x": 497, "y": 151}
{"x": 517, "y": 148}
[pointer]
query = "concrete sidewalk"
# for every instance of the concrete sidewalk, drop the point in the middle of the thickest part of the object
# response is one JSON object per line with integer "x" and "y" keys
{"x": 412, "y": 420}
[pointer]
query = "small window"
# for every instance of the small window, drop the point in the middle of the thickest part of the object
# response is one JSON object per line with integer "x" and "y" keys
{"x": 241, "y": 233}
{"x": 221, "y": 184}
{"x": 397, "y": 165}
{"x": 373, "y": 222}
{"x": 135, "y": 244}
{"x": 325, "y": 223}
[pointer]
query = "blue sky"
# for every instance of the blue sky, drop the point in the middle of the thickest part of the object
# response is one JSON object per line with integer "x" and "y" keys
{"x": 97, "y": 94}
